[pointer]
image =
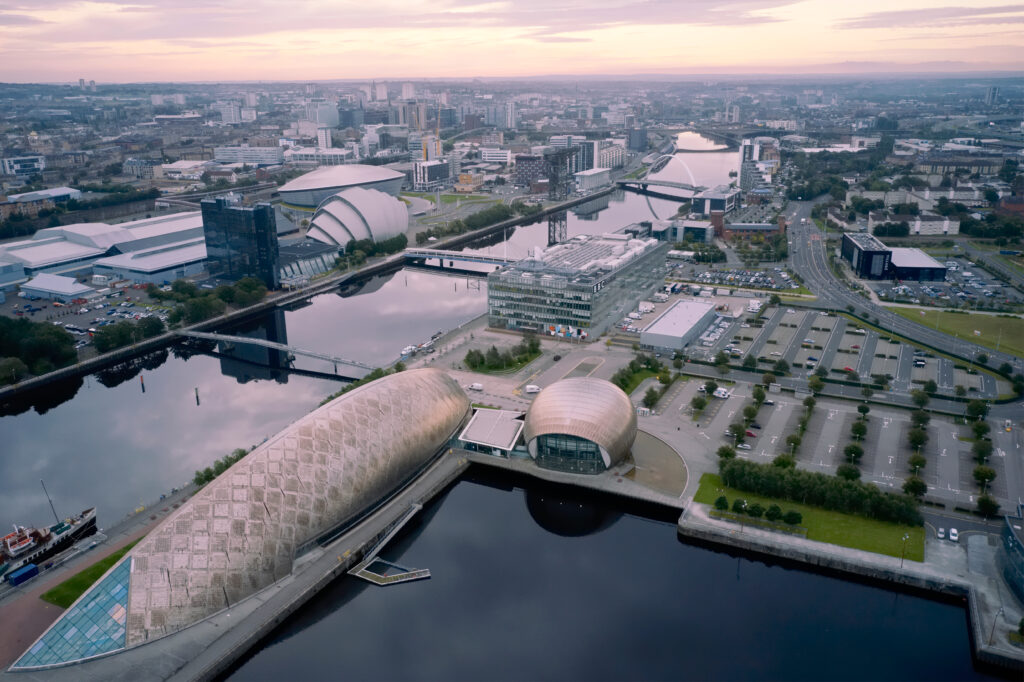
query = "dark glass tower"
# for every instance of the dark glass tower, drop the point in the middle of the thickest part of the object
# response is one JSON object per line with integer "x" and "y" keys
{"x": 241, "y": 241}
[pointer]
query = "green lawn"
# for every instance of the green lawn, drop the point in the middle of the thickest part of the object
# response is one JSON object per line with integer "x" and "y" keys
{"x": 637, "y": 379}
{"x": 449, "y": 198}
{"x": 835, "y": 528}
{"x": 65, "y": 594}
{"x": 1006, "y": 332}
{"x": 507, "y": 370}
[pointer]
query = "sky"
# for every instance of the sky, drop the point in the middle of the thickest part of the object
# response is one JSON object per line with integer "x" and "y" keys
{"x": 218, "y": 40}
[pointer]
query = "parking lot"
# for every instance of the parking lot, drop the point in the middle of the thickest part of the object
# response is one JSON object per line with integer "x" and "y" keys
{"x": 775, "y": 279}
{"x": 965, "y": 283}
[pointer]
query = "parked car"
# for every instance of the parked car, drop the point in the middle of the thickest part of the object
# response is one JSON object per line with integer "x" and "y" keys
{"x": 751, "y": 434}
{"x": 768, "y": 402}
{"x": 742, "y": 446}
{"x": 941, "y": 534}
{"x": 954, "y": 534}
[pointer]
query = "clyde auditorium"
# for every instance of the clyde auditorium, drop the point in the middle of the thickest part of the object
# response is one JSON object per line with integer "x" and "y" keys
{"x": 307, "y": 485}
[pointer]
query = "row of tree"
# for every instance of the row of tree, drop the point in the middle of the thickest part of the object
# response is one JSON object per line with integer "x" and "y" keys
{"x": 195, "y": 304}
{"x": 773, "y": 513}
{"x": 207, "y": 475}
{"x": 488, "y": 216}
{"x": 372, "y": 376}
{"x": 640, "y": 362}
{"x": 820, "y": 490}
{"x": 494, "y": 359}
{"x": 124, "y": 333}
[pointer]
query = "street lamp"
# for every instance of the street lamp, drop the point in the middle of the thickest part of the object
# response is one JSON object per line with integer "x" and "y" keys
{"x": 903, "y": 553}
{"x": 992, "y": 632}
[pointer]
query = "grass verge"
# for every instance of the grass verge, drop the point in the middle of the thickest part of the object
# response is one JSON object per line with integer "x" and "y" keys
{"x": 65, "y": 594}
{"x": 845, "y": 530}
{"x": 1006, "y": 332}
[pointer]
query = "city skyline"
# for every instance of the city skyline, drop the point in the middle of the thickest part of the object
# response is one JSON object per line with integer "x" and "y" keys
{"x": 149, "y": 40}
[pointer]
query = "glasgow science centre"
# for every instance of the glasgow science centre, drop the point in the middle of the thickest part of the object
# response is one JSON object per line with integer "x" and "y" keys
{"x": 304, "y": 489}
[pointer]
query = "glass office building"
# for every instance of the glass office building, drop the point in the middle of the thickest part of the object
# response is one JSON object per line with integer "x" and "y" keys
{"x": 241, "y": 241}
{"x": 577, "y": 289}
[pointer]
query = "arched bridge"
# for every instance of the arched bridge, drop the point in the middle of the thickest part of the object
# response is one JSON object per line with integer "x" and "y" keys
{"x": 648, "y": 185}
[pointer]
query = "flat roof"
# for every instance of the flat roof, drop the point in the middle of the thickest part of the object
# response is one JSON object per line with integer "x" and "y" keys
{"x": 913, "y": 258}
{"x": 679, "y": 318}
{"x": 494, "y": 428}
{"x": 56, "y": 284}
{"x": 866, "y": 241}
{"x": 158, "y": 258}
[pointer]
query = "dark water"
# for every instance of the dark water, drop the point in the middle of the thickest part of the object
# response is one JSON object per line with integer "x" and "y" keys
{"x": 540, "y": 584}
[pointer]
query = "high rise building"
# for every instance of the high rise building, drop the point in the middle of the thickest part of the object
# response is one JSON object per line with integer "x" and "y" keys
{"x": 81, "y": 83}
{"x": 323, "y": 138}
{"x": 381, "y": 92}
{"x": 408, "y": 91}
{"x": 241, "y": 241}
{"x": 992, "y": 95}
{"x": 511, "y": 116}
{"x": 230, "y": 113}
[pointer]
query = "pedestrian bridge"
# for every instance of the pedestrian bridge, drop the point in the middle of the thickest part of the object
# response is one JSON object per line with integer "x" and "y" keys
{"x": 648, "y": 185}
{"x": 227, "y": 338}
{"x": 452, "y": 256}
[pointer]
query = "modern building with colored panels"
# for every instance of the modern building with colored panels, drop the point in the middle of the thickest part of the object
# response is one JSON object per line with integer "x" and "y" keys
{"x": 580, "y": 425}
{"x": 308, "y": 191}
{"x": 356, "y": 214}
{"x": 243, "y": 533}
{"x": 576, "y": 289}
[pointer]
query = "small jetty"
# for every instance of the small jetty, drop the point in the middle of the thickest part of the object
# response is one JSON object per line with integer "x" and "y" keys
{"x": 381, "y": 572}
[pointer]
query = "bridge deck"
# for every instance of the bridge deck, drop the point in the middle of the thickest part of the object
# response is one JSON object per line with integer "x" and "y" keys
{"x": 227, "y": 338}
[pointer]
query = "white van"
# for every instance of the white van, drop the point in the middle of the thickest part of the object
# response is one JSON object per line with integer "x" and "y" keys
{"x": 532, "y": 388}
{"x": 475, "y": 387}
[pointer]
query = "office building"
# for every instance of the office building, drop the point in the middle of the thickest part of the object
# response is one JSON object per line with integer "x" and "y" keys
{"x": 590, "y": 180}
{"x": 489, "y": 155}
{"x": 323, "y": 138}
{"x": 408, "y": 91}
{"x": 1010, "y": 555}
{"x": 529, "y": 168}
{"x": 720, "y": 199}
{"x": 580, "y": 425}
{"x": 430, "y": 175}
{"x": 575, "y": 289}
{"x": 867, "y": 256}
{"x": 252, "y": 156}
{"x": 638, "y": 140}
{"x": 992, "y": 95}
{"x": 230, "y": 113}
{"x": 23, "y": 167}
{"x": 241, "y": 241}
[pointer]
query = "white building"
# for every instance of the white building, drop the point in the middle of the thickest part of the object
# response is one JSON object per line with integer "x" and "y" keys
{"x": 230, "y": 114}
{"x": 589, "y": 180}
{"x": 254, "y": 156}
{"x": 492, "y": 155}
{"x": 612, "y": 156}
{"x": 56, "y": 288}
{"x": 186, "y": 169}
{"x": 319, "y": 157}
{"x": 23, "y": 166}
{"x": 324, "y": 139}
{"x": 408, "y": 91}
{"x": 678, "y": 326}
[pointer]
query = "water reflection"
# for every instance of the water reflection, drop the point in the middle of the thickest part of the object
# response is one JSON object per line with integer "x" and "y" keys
{"x": 567, "y": 512}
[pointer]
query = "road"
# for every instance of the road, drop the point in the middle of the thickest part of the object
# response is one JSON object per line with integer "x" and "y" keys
{"x": 810, "y": 261}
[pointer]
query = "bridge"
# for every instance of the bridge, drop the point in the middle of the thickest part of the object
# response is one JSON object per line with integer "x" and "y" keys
{"x": 227, "y": 338}
{"x": 442, "y": 255}
{"x": 645, "y": 185}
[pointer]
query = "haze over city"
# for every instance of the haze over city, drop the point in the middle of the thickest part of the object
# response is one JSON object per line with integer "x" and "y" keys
{"x": 195, "y": 40}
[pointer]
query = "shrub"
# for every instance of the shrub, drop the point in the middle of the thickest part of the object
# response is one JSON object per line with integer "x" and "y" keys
{"x": 738, "y": 505}
{"x": 721, "y": 503}
{"x": 755, "y": 510}
{"x": 848, "y": 472}
{"x": 793, "y": 518}
{"x": 773, "y": 513}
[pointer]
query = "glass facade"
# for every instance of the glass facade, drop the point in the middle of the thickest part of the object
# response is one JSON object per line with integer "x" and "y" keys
{"x": 569, "y": 453}
{"x": 241, "y": 241}
{"x": 93, "y": 626}
{"x": 576, "y": 302}
{"x": 1010, "y": 557}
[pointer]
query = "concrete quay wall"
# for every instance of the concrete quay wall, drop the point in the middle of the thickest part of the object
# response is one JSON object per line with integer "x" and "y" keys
{"x": 861, "y": 570}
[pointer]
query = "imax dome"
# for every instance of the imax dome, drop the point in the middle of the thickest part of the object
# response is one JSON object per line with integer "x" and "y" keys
{"x": 358, "y": 213}
{"x": 583, "y": 425}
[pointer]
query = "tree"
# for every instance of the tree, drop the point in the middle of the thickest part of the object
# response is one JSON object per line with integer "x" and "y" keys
{"x": 758, "y": 395}
{"x": 781, "y": 366}
{"x": 749, "y": 362}
{"x": 12, "y": 370}
{"x": 793, "y": 441}
{"x": 821, "y": 372}
{"x": 651, "y": 397}
{"x": 919, "y": 397}
{"x": 863, "y": 410}
{"x": 773, "y": 513}
{"x": 867, "y": 391}
{"x": 784, "y": 461}
{"x": 920, "y": 418}
{"x": 815, "y": 384}
{"x": 738, "y": 505}
{"x": 982, "y": 359}
{"x": 980, "y": 429}
{"x": 858, "y": 430}
{"x": 722, "y": 368}
{"x": 809, "y": 402}
{"x": 915, "y": 486}
{"x": 848, "y": 472}
{"x": 749, "y": 413}
{"x": 977, "y": 409}
{"x": 399, "y": 366}
{"x": 917, "y": 438}
{"x": 755, "y": 510}
{"x": 1006, "y": 368}
{"x": 665, "y": 377}
{"x": 721, "y": 503}
{"x": 721, "y": 358}
{"x": 793, "y": 518}
{"x": 739, "y": 431}
{"x": 726, "y": 452}
{"x": 677, "y": 363}
{"x": 983, "y": 475}
{"x": 987, "y": 505}
{"x": 774, "y": 299}
{"x": 982, "y": 450}
{"x": 960, "y": 391}
{"x": 917, "y": 462}
{"x": 698, "y": 403}
{"x": 768, "y": 379}
{"x": 930, "y": 387}
{"x": 853, "y": 453}
{"x": 710, "y": 387}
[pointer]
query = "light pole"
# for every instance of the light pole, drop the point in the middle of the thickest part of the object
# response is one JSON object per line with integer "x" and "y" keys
{"x": 903, "y": 553}
{"x": 992, "y": 632}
